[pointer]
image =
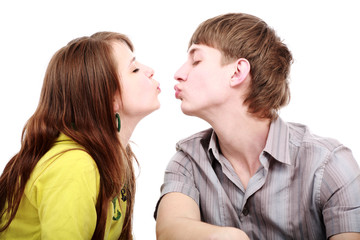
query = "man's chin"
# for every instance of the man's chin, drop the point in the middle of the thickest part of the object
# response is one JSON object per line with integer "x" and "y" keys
{"x": 189, "y": 112}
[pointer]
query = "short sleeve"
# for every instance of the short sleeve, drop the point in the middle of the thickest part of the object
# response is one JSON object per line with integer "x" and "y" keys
{"x": 340, "y": 193}
{"x": 65, "y": 194}
{"x": 179, "y": 178}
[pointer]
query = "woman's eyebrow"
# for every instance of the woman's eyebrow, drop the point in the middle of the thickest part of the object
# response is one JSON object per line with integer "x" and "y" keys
{"x": 132, "y": 60}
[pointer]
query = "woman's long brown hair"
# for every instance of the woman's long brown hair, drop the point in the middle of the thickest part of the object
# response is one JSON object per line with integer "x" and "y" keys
{"x": 77, "y": 99}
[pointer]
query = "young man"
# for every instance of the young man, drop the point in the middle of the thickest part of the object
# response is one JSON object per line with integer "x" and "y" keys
{"x": 251, "y": 175}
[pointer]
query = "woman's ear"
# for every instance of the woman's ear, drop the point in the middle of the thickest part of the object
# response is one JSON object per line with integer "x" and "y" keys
{"x": 242, "y": 71}
{"x": 116, "y": 103}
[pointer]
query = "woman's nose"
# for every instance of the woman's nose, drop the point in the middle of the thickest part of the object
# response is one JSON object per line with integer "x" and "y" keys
{"x": 149, "y": 72}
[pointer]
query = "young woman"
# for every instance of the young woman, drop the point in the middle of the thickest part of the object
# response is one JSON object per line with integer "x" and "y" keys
{"x": 73, "y": 177}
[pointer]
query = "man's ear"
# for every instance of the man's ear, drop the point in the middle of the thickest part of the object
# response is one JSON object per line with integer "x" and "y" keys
{"x": 242, "y": 71}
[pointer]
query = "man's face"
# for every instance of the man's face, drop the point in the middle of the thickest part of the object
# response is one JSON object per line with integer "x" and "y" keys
{"x": 203, "y": 81}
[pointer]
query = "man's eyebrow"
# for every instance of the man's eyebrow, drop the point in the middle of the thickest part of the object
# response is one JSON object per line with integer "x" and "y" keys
{"x": 193, "y": 50}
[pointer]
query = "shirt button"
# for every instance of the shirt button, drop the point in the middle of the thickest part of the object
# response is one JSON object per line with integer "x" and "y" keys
{"x": 245, "y": 211}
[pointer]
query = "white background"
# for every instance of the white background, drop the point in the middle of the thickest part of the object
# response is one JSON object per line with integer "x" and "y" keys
{"x": 322, "y": 35}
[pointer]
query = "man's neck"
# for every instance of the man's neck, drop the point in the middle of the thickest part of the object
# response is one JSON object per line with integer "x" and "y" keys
{"x": 241, "y": 142}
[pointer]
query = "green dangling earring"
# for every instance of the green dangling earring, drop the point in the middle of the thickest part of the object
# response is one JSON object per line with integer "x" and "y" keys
{"x": 117, "y": 116}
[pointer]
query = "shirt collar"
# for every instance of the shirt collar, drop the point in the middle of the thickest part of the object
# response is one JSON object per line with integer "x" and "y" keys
{"x": 213, "y": 148}
{"x": 277, "y": 143}
{"x": 62, "y": 138}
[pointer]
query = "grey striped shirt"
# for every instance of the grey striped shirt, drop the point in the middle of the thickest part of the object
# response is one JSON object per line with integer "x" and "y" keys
{"x": 307, "y": 187}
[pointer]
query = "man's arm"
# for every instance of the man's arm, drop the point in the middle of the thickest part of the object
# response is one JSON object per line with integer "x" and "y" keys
{"x": 178, "y": 218}
{"x": 340, "y": 195}
{"x": 347, "y": 236}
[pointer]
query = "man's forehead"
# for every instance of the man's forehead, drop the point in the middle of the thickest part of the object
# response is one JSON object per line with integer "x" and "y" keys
{"x": 194, "y": 48}
{"x": 203, "y": 50}
{"x": 199, "y": 48}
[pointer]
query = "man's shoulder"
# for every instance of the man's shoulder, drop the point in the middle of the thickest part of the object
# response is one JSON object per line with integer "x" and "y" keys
{"x": 195, "y": 139}
{"x": 301, "y": 135}
{"x": 197, "y": 136}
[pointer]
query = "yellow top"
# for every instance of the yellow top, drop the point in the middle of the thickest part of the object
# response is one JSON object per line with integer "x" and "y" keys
{"x": 60, "y": 197}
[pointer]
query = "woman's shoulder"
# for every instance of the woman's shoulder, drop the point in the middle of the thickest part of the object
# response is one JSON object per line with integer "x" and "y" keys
{"x": 67, "y": 153}
{"x": 65, "y": 160}
{"x": 65, "y": 167}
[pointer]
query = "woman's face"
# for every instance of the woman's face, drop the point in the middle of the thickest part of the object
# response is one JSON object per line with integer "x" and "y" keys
{"x": 139, "y": 90}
